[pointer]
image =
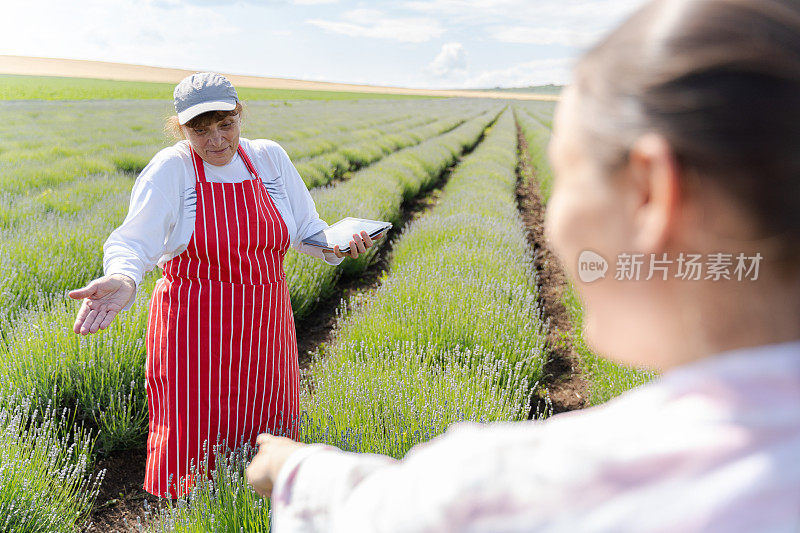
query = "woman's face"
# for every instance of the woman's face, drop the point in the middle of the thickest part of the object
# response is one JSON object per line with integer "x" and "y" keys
{"x": 589, "y": 220}
{"x": 217, "y": 142}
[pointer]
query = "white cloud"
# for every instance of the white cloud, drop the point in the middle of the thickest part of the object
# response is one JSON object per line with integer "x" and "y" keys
{"x": 177, "y": 4}
{"x": 580, "y": 15}
{"x": 374, "y": 24}
{"x": 545, "y": 35}
{"x": 450, "y": 62}
{"x": 116, "y": 30}
{"x": 313, "y": 2}
{"x": 467, "y": 8}
{"x": 523, "y": 9}
{"x": 535, "y": 72}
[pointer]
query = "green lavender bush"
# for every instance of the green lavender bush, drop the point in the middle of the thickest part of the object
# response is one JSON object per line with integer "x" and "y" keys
{"x": 376, "y": 192}
{"x": 462, "y": 274}
{"x": 45, "y": 468}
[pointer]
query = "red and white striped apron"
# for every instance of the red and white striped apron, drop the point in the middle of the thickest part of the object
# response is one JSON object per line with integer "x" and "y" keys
{"x": 221, "y": 348}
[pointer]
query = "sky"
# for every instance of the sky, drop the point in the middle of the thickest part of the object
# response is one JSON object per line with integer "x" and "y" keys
{"x": 408, "y": 43}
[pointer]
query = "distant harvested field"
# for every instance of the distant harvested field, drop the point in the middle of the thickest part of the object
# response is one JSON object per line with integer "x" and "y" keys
{"x": 16, "y": 87}
{"x": 103, "y": 70}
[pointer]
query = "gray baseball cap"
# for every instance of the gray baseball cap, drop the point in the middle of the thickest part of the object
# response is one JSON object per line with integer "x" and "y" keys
{"x": 201, "y": 92}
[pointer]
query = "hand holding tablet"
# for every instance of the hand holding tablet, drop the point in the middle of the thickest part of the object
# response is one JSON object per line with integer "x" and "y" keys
{"x": 350, "y": 236}
{"x": 358, "y": 245}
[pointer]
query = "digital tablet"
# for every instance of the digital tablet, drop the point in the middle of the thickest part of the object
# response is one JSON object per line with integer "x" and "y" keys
{"x": 341, "y": 233}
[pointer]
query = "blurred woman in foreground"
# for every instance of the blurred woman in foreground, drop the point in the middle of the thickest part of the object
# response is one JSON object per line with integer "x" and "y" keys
{"x": 677, "y": 145}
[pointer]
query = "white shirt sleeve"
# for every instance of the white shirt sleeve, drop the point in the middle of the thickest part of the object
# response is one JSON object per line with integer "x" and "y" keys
{"x": 315, "y": 483}
{"x": 441, "y": 485}
{"x": 133, "y": 249}
{"x": 710, "y": 446}
{"x": 303, "y": 209}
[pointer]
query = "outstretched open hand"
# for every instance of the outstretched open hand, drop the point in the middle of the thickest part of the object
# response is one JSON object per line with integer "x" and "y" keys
{"x": 103, "y": 299}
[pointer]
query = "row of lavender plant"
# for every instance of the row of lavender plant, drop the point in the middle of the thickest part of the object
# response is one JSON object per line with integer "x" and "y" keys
{"x": 377, "y": 192}
{"x": 462, "y": 282}
{"x": 483, "y": 294}
{"x": 47, "y": 145}
{"x": 324, "y": 168}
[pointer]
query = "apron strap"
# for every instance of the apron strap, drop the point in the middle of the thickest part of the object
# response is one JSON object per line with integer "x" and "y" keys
{"x": 199, "y": 171}
{"x": 250, "y": 167}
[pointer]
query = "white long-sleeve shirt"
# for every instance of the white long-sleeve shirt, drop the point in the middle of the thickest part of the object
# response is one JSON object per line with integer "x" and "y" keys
{"x": 161, "y": 215}
{"x": 711, "y": 446}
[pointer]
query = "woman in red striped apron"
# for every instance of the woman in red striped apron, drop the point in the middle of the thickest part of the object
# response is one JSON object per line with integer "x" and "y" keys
{"x": 221, "y": 349}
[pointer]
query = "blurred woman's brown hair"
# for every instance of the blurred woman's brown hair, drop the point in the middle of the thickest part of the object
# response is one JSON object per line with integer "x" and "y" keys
{"x": 720, "y": 80}
{"x": 173, "y": 128}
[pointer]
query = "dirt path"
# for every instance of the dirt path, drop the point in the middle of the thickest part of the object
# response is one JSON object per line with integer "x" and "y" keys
{"x": 563, "y": 388}
{"x": 121, "y": 501}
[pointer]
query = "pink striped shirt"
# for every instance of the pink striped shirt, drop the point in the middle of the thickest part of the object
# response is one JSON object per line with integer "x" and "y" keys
{"x": 710, "y": 446}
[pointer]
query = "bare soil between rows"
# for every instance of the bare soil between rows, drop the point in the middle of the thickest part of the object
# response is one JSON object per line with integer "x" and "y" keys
{"x": 562, "y": 387}
{"x": 121, "y": 501}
